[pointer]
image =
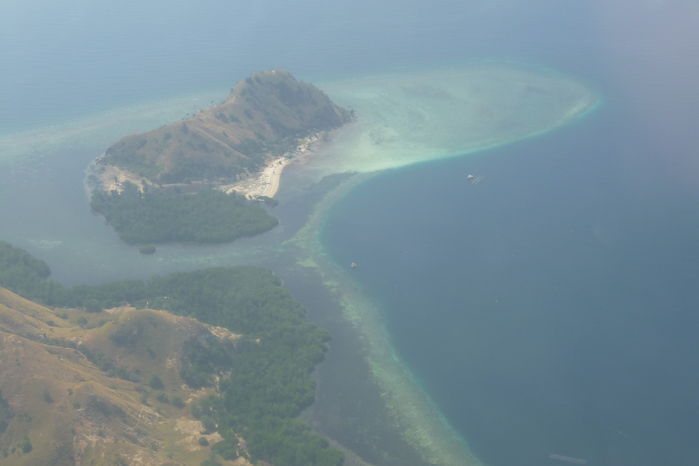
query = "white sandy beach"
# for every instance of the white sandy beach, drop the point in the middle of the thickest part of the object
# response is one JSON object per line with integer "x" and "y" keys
{"x": 268, "y": 181}
{"x": 265, "y": 184}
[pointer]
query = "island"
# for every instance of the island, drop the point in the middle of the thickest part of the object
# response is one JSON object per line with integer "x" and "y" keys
{"x": 207, "y": 178}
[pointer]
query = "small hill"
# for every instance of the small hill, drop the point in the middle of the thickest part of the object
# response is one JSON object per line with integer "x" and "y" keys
{"x": 265, "y": 116}
{"x": 168, "y": 184}
{"x": 100, "y": 388}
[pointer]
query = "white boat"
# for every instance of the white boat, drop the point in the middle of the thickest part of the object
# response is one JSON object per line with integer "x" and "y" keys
{"x": 474, "y": 179}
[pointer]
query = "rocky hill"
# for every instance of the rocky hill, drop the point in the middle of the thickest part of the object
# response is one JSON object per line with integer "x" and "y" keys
{"x": 63, "y": 401}
{"x": 265, "y": 116}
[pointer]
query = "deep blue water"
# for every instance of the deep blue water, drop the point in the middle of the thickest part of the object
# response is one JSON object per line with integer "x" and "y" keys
{"x": 550, "y": 308}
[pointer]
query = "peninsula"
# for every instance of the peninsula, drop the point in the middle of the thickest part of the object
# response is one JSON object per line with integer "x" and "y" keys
{"x": 196, "y": 368}
{"x": 228, "y": 155}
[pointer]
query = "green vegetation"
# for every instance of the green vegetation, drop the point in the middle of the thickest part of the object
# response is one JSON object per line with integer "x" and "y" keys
{"x": 156, "y": 383}
{"x": 26, "y": 445}
{"x": 165, "y": 215}
{"x": 177, "y": 402}
{"x": 26, "y": 275}
{"x": 105, "y": 364}
{"x": 202, "y": 357}
{"x": 5, "y": 414}
{"x": 210, "y": 462}
{"x": 265, "y": 374}
{"x": 47, "y": 396}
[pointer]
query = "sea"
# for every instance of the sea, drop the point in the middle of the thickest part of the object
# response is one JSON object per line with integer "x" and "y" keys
{"x": 545, "y": 315}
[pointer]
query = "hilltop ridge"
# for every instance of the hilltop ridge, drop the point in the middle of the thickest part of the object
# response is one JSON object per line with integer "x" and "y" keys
{"x": 265, "y": 116}
{"x": 193, "y": 180}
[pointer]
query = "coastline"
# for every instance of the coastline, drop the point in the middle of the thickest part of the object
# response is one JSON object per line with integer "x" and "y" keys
{"x": 267, "y": 182}
{"x": 413, "y": 414}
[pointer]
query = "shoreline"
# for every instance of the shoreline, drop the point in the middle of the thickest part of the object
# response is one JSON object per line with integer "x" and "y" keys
{"x": 265, "y": 184}
{"x": 268, "y": 182}
{"x": 413, "y": 413}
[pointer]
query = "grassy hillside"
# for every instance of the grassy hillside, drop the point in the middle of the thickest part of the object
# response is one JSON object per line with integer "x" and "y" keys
{"x": 63, "y": 402}
{"x": 250, "y": 363}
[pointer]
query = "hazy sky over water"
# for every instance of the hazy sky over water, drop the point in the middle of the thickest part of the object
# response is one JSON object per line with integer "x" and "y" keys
{"x": 68, "y": 58}
{"x": 73, "y": 48}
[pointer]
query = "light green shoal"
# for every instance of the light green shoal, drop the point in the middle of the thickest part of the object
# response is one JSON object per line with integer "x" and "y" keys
{"x": 432, "y": 114}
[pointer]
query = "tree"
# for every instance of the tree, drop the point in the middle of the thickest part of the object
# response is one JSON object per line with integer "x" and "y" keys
{"x": 156, "y": 383}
